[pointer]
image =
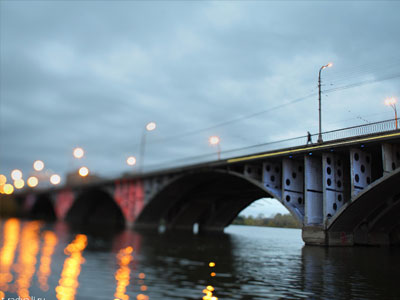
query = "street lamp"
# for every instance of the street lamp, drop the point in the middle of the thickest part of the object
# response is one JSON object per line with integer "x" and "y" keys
{"x": 16, "y": 174}
{"x": 131, "y": 160}
{"x": 83, "y": 172}
{"x": 149, "y": 127}
{"x": 8, "y": 189}
{"x": 319, "y": 99}
{"x": 38, "y": 165}
{"x": 392, "y": 102}
{"x": 78, "y": 152}
{"x": 214, "y": 141}
{"x": 19, "y": 183}
{"x": 55, "y": 179}
{"x": 32, "y": 181}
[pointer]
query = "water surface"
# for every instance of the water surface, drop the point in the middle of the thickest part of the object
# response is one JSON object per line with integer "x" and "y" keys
{"x": 49, "y": 261}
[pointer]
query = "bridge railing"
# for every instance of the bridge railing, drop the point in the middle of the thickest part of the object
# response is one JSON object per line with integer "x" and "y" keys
{"x": 343, "y": 133}
{"x": 360, "y": 130}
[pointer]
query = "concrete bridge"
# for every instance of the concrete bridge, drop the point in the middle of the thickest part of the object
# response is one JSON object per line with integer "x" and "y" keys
{"x": 344, "y": 191}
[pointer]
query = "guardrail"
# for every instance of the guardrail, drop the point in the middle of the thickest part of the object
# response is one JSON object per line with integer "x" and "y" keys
{"x": 343, "y": 133}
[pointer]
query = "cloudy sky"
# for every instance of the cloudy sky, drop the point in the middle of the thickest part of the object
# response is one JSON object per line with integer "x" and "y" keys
{"x": 93, "y": 73}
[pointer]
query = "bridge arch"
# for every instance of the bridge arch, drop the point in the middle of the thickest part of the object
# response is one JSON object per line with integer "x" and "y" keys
{"x": 94, "y": 208}
{"x": 43, "y": 208}
{"x": 211, "y": 198}
{"x": 373, "y": 216}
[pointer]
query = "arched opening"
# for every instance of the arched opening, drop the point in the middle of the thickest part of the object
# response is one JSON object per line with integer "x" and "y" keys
{"x": 43, "y": 208}
{"x": 211, "y": 199}
{"x": 373, "y": 216}
{"x": 95, "y": 210}
{"x": 267, "y": 212}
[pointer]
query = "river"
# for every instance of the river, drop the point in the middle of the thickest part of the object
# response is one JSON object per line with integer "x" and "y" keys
{"x": 48, "y": 261}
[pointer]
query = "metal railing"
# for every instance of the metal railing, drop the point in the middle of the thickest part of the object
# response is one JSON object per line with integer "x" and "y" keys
{"x": 360, "y": 130}
{"x": 338, "y": 134}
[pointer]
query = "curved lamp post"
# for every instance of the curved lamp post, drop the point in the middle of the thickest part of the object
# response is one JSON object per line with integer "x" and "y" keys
{"x": 214, "y": 141}
{"x": 149, "y": 127}
{"x": 392, "y": 102}
{"x": 319, "y": 100}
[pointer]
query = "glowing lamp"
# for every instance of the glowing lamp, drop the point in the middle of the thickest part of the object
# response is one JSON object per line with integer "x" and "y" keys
{"x": 32, "y": 181}
{"x": 55, "y": 179}
{"x": 131, "y": 160}
{"x": 83, "y": 171}
{"x": 38, "y": 165}
{"x": 151, "y": 126}
{"x": 16, "y": 174}
{"x": 78, "y": 152}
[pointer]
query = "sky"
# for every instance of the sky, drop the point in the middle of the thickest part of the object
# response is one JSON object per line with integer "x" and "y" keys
{"x": 93, "y": 73}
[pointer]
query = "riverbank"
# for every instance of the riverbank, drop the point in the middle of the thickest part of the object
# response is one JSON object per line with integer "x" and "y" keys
{"x": 278, "y": 220}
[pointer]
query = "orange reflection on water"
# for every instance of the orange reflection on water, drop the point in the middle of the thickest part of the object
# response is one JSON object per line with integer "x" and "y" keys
{"x": 50, "y": 241}
{"x": 143, "y": 287}
{"x": 122, "y": 275}
{"x": 68, "y": 282}
{"x": 208, "y": 291}
{"x": 10, "y": 237}
{"x": 142, "y": 297}
{"x": 28, "y": 249}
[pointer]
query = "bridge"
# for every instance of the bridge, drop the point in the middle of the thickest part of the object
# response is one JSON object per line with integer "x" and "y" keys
{"x": 344, "y": 191}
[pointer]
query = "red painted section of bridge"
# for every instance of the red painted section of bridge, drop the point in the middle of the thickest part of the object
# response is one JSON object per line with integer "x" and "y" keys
{"x": 130, "y": 197}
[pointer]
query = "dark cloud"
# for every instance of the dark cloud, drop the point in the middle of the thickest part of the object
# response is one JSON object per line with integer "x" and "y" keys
{"x": 93, "y": 73}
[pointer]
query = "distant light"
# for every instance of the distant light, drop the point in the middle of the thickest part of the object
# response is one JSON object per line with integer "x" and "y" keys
{"x": 38, "y": 165}
{"x": 83, "y": 171}
{"x": 213, "y": 274}
{"x": 142, "y": 276}
{"x": 32, "y": 181}
{"x": 131, "y": 160}
{"x": 310, "y": 153}
{"x": 210, "y": 288}
{"x": 362, "y": 145}
{"x": 214, "y": 140}
{"x": 78, "y": 152}
{"x": 390, "y": 101}
{"x": 55, "y": 179}
{"x": 290, "y": 156}
{"x": 19, "y": 183}
{"x": 16, "y": 174}
{"x": 3, "y": 179}
{"x": 329, "y": 65}
{"x": 151, "y": 126}
{"x": 8, "y": 189}
{"x": 211, "y": 264}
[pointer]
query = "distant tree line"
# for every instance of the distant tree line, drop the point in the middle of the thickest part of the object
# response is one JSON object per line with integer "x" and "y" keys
{"x": 278, "y": 220}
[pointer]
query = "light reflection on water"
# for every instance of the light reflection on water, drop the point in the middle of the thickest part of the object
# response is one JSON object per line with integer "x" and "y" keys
{"x": 48, "y": 261}
{"x": 49, "y": 242}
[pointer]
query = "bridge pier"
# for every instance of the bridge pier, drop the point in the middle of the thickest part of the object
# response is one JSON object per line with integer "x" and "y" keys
{"x": 318, "y": 236}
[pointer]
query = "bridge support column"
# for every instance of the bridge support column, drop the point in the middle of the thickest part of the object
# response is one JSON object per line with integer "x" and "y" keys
{"x": 314, "y": 235}
{"x": 318, "y": 236}
{"x": 360, "y": 164}
{"x": 253, "y": 171}
{"x": 293, "y": 186}
{"x": 333, "y": 184}
{"x": 272, "y": 178}
{"x": 313, "y": 190}
{"x": 390, "y": 157}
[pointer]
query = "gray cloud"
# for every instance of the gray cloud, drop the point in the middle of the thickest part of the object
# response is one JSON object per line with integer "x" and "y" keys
{"x": 93, "y": 73}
